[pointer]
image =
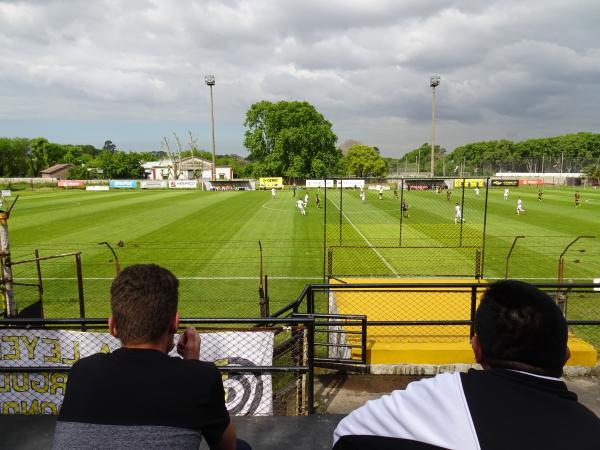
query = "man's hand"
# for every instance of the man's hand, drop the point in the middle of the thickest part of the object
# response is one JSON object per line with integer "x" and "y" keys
{"x": 188, "y": 345}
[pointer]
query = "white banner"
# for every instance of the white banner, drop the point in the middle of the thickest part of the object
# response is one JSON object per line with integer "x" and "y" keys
{"x": 183, "y": 184}
{"x": 319, "y": 183}
{"x": 42, "y": 392}
{"x": 97, "y": 188}
{"x": 351, "y": 183}
{"x": 154, "y": 184}
{"x": 6, "y": 193}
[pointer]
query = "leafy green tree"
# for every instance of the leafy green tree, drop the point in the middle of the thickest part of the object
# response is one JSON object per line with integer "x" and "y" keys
{"x": 120, "y": 165}
{"x": 364, "y": 161}
{"x": 109, "y": 146}
{"x": 290, "y": 139}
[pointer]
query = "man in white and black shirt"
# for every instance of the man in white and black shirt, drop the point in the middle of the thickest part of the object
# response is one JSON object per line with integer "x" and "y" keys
{"x": 517, "y": 402}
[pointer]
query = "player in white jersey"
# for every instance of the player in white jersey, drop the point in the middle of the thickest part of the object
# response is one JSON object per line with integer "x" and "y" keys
{"x": 300, "y": 206}
{"x": 273, "y": 193}
{"x": 477, "y": 190}
{"x": 362, "y": 195}
{"x": 306, "y": 200}
{"x": 458, "y": 214}
{"x": 520, "y": 206}
{"x": 505, "y": 193}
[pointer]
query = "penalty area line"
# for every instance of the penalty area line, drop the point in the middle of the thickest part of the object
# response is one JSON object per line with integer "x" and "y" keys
{"x": 387, "y": 264}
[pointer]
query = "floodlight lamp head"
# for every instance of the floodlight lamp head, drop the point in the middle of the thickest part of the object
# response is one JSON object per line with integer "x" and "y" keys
{"x": 209, "y": 80}
{"x": 434, "y": 81}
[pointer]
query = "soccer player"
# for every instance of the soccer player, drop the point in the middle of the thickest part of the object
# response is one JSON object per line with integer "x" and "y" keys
{"x": 405, "y": 209}
{"x": 396, "y": 193}
{"x": 540, "y": 193}
{"x": 380, "y": 192}
{"x": 448, "y": 194}
{"x": 458, "y": 214}
{"x": 362, "y": 195}
{"x": 306, "y": 200}
{"x": 300, "y": 206}
{"x": 577, "y": 199}
{"x": 317, "y": 201}
{"x": 477, "y": 190}
{"x": 273, "y": 193}
{"x": 505, "y": 194}
{"x": 520, "y": 206}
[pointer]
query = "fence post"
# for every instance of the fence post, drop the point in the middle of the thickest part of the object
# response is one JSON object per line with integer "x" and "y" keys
{"x": 310, "y": 381}
{"x": 80, "y": 289}
{"x": 40, "y": 285}
{"x": 473, "y": 309}
{"x": 9, "y": 298}
{"x": 310, "y": 304}
{"x": 329, "y": 263}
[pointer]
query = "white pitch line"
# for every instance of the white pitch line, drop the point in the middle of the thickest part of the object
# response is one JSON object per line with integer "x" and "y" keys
{"x": 387, "y": 264}
{"x": 179, "y": 278}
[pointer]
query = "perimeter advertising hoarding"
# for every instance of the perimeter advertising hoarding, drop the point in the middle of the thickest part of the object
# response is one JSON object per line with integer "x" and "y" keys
{"x": 42, "y": 392}
{"x": 530, "y": 181}
{"x": 122, "y": 184}
{"x": 514, "y": 182}
{"x": 319, "y": 183}
{"x": 351, "y": 183}
{"x": 269, "y": 183}
{"x": 469, "y": 182}
{"x": 97, "y": 188}
{"x": 183, "y": 184}
{"x": 6, "y": 193}
{"x": 154, "y": 184}
{"x": 71, "y": 183}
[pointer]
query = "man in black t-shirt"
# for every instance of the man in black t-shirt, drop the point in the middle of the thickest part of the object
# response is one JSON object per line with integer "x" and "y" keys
{"x": 138, "y": 396}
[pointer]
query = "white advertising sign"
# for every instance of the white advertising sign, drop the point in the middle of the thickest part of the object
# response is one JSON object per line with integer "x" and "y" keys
{"x": 42, "y": 392}
{"x": 319, "y": 183}
{"x": 351, "y": 183}
{"x": 6, "y": 193}
{"x": 154, "y": 184}
{"x": 183, "y": 184}
{"x": 97, "y": 188}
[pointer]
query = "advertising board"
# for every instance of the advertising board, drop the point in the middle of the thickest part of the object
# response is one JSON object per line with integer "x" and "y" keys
{"x": 319, "y": 183}
{"x": 97, "y": 188}
{"x": 122, "y": 184}
{"x": 505, "y": 182}
{"x": 154, "y": 184}
{"x": 269, "y": 183}
{"x": 469, "y": 182}
{"x": 183, "y": 184}
{"x": 530, "y": 181}
{"x": 71, "y": 183}
{"x": 6, "y": 193}
{"x": 350, "y": 183}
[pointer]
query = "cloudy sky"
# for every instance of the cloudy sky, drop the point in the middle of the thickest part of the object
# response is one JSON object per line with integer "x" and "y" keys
{"x": 83, "y": 71}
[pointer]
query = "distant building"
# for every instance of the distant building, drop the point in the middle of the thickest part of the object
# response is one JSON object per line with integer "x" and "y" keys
{"x": 190, "y": 168}
{"x": 58, "y": 171}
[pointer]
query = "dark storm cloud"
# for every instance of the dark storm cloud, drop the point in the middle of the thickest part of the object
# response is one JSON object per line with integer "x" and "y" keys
{"x": 507, "y": 67}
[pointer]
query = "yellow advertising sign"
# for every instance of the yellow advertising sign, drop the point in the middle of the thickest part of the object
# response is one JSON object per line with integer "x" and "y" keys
{"x": 268, "y": 183}
{"x": 469, "y": 182}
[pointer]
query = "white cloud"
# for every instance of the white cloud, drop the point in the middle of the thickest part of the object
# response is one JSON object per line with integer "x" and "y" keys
{"x": 508, "y": 68}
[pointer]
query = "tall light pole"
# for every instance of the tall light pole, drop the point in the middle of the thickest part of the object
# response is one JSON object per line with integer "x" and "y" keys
{"x": 433, "y": 82}
{"x": 210, "y": 81}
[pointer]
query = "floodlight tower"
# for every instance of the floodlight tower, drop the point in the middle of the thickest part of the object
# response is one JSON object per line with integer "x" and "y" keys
{"x": 210, "y": 81}
{"x": 433, "y": 82}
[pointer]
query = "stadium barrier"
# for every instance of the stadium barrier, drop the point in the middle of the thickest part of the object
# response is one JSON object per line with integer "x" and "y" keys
{"x": 266, "y": 365}
{"x": 423, "y": 322}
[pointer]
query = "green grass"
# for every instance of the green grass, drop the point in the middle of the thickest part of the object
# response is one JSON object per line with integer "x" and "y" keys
{"x": 210, "y": 241}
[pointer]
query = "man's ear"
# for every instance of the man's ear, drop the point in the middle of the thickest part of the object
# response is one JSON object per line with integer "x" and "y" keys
{"x": 174, "y": 323}
{"x": 476, "y": 346}
{"x": 567, "y": 355}
{"x": 111, "y": 327}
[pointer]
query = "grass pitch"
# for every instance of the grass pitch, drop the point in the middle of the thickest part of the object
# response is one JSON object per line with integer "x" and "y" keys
{"x": 210, "y": 240}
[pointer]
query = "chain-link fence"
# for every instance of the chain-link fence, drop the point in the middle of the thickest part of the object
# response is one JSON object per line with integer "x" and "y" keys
{"x": 404, "y": 227}
{"x": 217, "y": 278}
{"x": 266, "y": 367}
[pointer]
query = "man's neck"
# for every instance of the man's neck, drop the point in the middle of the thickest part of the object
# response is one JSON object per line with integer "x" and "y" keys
{"x": 164, "y": 345}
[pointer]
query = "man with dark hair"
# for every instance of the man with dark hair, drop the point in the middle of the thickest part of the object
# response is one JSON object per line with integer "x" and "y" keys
{"x": 138, "y": 396}
{"x": 516, "y": 402}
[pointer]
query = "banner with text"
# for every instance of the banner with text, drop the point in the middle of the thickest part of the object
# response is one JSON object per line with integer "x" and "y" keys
{"x": 154, "y": 184}
{"x": 530, "y": 181}
{"x": 504, "y": 182}
{"x": 97, "y": 188}
{"x": 319, "y": 183}
{"x": 469, "y": 182}
{"x": 71, "y": 183}
{"x": 354, "y": 184}
{"x": 269, "y": 183}
{"x": 122, "y": 184}
{"x": 42, "y": 392}
{"x": 183, "y": 184}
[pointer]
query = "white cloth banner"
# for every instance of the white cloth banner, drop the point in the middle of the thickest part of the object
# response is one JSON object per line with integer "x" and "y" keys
{"x": 42, "y": 392}
{"x": 183, "y": 184}
{"x": 319, "y": 183}
{"x": 351, "y": 183}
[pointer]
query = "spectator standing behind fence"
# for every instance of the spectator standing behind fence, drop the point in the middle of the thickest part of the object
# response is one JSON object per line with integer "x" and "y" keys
{"x": 138, "y": 396}
{"x": 516, "y": 402}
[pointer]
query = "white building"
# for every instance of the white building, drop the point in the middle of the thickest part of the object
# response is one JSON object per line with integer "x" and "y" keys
{"x": 189, "y": 168}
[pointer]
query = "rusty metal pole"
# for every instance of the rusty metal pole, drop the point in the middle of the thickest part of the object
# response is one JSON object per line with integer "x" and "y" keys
{"x": 9, "y": 299}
